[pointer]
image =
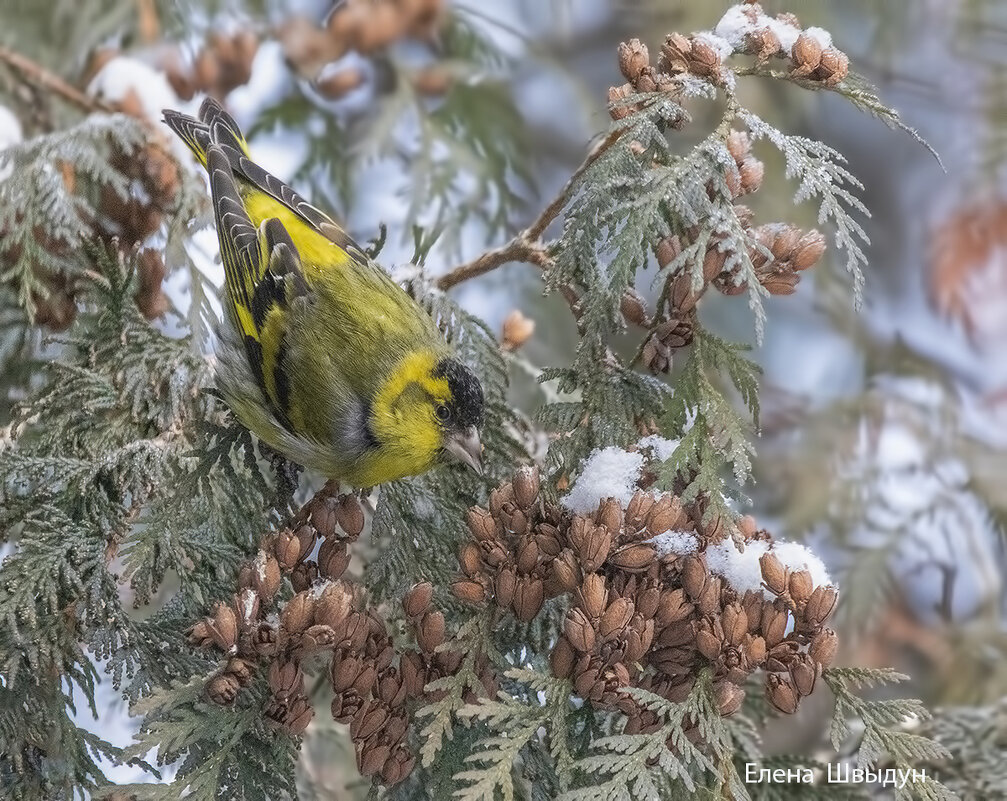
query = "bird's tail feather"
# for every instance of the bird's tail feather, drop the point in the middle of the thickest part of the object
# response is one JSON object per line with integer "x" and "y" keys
{"x": 213, "y": 127}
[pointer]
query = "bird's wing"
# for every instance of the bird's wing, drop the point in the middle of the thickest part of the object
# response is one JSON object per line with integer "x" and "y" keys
{"x": 264, "y": 279}
{"x": 313, "y": 230}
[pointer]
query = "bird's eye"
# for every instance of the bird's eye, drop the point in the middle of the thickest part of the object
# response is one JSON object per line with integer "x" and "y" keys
{"x": 443, "y": 413}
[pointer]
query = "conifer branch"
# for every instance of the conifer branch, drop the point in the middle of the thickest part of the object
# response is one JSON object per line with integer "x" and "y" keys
{"x": 526, "y": 246}
{"x": 36, "y": 74}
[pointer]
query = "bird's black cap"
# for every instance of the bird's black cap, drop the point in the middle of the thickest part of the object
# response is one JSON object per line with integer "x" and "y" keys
{"x": 466, "y": 404}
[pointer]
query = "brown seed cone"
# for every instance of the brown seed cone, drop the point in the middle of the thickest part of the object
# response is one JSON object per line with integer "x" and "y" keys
{"x": 414, "y": 674}
{"x": 430, "y": 632}
{"x": 806, "y": 55}
{"x": 334, "y": 606}
{"x": 345, "y": 706}
{"x": 150, "y": 297}
{"x": 833, "y": 67}
{"x": 303, "y": 576}
{"x": 735, "y": 623}
{"x": 633, "y": 308}
{"x": 296, "y": 616}
{"x": 638, "y": 641}
{"x": 780, "y": 283}
{"x": 781, "y": 656}
{"x": 675, "y": 53}
{"x": 647, "y": 600}
{"x": 506, "y": 584}
{"x": 527, "y": 556}
{"x": 287, "y": 549}
{"x": 344, "y": 671}
{"x": 223, "y": 626}
{"x": 285, "y": 678}
{"x": 823, "y": 648}
{"x": 579, "y": 630}
{"x": 695, "y": 576}
{"x": 703, "y": 58}
{"x": 368, "y": 720}
{"x": 470, "y": 559}
{"x": 774, "y": 574}
{"x": 754, "y": 649}
{"x": 616, "y": 618}
{"x": 616, "y": 110}
{"x": 729, "y": 697}
{"x": 265, "y": 640}
{"x": 350, "y": 515}
{"x": 417, "y": 601}
{"x": 525, "y": 487}
{"x": 323, "y": 516}
{"x": 298, "y": 716}
{"x": 633, "y": 58}
{"x": 800, "y": 586}
{"x": 223, "y": 689}
{"x": 752, "y": 602}
{"x": 565, "y": 571}
{"x": 433, "y": 81}
{"x": 804, "y": 672}
{"x": 529, "y": 595}
{"x": 739, "y": 145}
{"x": 266, "y": 576}
{"x": 371, "y": 758}
{"x": 562, "y": 658}
{"x": 666, "y": 514}
{"x": 774, "y": 625}
{"x": 482, "y": 523}
{"x": 337, "y": 84}
{"x": 764, "y": 44}
{"x": 781, "y": 694}
{"x": 673, "y": 607}
{"x": 317, "y": 637}
{"x": 246, "y": 606}
{"x": 638, "y": 510}
{"x": 634, "y": 558}
{"x": 808, "y": 250}
{"x": 821, "y": 604}
{"x": 470, "y": 592}
{"x": 517, "y": 329}
{"x": 590, "y": 542}
{"x": 333, "y": 559}
{"x": 592, "y": 596}
{"x": 751, "y": 171}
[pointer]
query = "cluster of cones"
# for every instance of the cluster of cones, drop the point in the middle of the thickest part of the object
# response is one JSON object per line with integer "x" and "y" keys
{"x": 365, "y": 27}
{"x": 703, "y": 55}
{"x": 779, "y": 252}
{"x": 640, "y": 614}
{"x": 374, "y": 683}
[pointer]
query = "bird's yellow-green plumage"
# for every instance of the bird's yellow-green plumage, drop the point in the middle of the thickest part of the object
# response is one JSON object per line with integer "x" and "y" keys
{"x": 326, "y": 358}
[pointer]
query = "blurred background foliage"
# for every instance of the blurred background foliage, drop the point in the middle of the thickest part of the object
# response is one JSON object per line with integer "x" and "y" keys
{"x": 883, "y": 437}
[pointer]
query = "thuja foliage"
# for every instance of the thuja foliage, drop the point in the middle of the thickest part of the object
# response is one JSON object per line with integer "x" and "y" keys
{"x": 130, "y": 498}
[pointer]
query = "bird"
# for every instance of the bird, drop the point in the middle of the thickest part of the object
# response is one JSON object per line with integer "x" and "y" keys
{"x": 322, "y": 355}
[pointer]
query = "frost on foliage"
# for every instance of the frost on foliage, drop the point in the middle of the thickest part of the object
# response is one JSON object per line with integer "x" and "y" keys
{"x": 799, "y": 557}
{"x": 122, "y": 77}
{"x": 823, "y": 177}
{"x": 661, "y": 447}
{"x": 36, "y": 197}
{"x": 742, "y": 570}
{"x": 614, "y": 473}
{"x": 608, "y": 473}
{"x": 735, "y": 25}
{"x": 679, "y": 543}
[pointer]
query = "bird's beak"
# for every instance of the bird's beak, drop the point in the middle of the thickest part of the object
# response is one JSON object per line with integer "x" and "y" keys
{"x": 466, "y": 447}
